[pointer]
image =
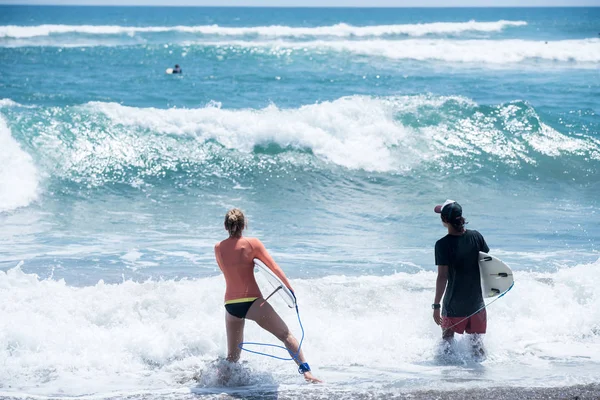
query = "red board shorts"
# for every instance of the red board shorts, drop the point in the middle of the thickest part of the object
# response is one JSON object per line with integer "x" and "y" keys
{"x": 474, "y": 324}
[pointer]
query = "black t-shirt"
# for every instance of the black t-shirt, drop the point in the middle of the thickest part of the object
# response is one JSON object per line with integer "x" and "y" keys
{"x": 461, "y": 254}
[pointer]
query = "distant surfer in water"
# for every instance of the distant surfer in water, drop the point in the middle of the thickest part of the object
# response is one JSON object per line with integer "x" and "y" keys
{"x": 177, "y": 69}
{"x": 243, "y": 299}
{"x": 457, "y": 259}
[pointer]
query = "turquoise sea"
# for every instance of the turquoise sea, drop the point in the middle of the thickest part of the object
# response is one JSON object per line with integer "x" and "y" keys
{"x": 337, "y": 131}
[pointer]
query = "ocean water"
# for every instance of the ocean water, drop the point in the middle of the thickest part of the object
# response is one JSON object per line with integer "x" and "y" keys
{"x": 336, "y": 131}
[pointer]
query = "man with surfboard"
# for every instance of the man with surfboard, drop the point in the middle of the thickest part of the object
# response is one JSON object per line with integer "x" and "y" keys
{"x": 457, "y": 258}
{"x": 243, "y": 299}
{"x": 176, "y": 70}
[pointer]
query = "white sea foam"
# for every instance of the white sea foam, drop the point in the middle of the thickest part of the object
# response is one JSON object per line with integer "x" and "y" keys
{"x": 128, "y": 144}
{"x": 447, "y": 50}
{"x": 338, "y": 30}
{"x": 8, "y": 103}
{"x": 360, "y": 132}
{"x": 18, "y": 175}
{"x": 355, "y": 132}
{"x": 578, "y": 53}
{"x": 158, "y": 335}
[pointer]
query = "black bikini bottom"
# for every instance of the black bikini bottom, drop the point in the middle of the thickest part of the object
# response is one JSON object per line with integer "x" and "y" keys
{"x": 239, "y": 309}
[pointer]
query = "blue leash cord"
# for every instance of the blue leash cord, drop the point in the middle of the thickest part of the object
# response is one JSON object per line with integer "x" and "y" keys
{"x": 293, "y": 356}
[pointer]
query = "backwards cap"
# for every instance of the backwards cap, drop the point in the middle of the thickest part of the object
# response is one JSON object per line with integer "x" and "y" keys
{"x": 450, "y": 210}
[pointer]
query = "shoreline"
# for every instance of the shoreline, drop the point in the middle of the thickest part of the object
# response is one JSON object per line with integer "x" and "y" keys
{"x": 575, "y": 392}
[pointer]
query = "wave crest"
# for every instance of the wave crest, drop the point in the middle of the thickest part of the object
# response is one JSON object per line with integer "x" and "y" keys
{"x": 338, "y": 30}
{"x": 446, "y": 50}
{"x": 18, "y": 174}
{"x": 157, "y": 334}
{"x": 100, "y": 142}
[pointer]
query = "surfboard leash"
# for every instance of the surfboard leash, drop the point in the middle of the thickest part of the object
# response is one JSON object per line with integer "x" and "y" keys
{"x": 484, "y": 306}
{"x": 294, "y": 356}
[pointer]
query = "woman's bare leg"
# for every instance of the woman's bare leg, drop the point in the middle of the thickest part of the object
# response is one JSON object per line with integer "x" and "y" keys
{"x": 235, "y": 336}
{"x": 265, "y": 316}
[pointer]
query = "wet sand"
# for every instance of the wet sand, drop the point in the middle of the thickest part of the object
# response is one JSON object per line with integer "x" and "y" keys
{"x": 579, "y": 392}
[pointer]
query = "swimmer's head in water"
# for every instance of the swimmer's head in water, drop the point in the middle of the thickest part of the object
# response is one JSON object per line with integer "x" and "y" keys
{"x": 176, "y": 65}
{"x": 235, "y": 222}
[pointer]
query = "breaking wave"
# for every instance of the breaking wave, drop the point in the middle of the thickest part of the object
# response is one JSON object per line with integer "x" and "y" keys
{"x": 338, "y": 30}
{"x": 103, "y": 142}
{"x": 166, "y": 334}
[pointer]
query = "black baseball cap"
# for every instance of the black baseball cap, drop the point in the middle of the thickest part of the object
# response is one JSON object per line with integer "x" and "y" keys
{"x": 450, "y": 210}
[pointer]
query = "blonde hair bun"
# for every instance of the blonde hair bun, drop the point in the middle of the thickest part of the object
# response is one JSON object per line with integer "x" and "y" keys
{"x": 235, "y": 222}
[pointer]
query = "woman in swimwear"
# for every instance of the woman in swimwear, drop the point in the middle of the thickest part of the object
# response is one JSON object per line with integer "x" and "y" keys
{"x": 243, "y": 299}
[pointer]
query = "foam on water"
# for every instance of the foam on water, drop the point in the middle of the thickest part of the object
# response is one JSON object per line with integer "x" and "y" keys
{"x": 573, "y": 53}
{"x": 370, "y": 124}
{"x": 9, "y": 103}
{"x": 338, "y": 30}
{"x": 99, "y": 142}
{"x": 579, "y": 53}
{"x": 100, "y": 179}
{"x": 447, "y": 50}
{"x": 361, "y": 132}
{"x": 155, "y": 335}
{"x": 352, "y": 132}
{"x": 19, "y": 178}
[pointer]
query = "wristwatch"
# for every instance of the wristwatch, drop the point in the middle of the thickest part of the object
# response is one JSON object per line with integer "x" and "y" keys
{"x": 436, "y": 306}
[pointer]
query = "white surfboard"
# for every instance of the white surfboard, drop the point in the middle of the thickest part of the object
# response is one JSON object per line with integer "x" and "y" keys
{"x": 169, "y": 70}
{"x": 270, "y": 284}
{"x": 496, "y": 277}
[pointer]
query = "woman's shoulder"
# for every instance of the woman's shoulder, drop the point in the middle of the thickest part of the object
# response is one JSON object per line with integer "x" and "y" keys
{"x": 219, "y": 244}
{"x": 253, "y": 241}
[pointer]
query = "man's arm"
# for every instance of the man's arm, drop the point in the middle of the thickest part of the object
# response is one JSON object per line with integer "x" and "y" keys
{"x": 484, "y": 247}
{"x": 440, "y": 288}
{"x": 440, "y": 283}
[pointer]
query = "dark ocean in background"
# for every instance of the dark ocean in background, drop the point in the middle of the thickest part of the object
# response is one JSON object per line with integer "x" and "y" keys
{"x": 336, "y": 131}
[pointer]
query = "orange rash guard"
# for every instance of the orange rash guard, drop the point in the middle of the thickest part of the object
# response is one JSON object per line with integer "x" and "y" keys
{"x": 235, "y": 258}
